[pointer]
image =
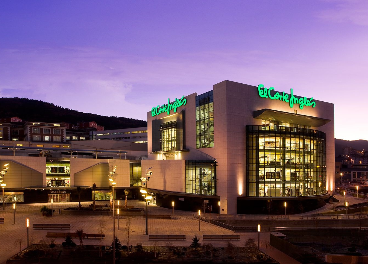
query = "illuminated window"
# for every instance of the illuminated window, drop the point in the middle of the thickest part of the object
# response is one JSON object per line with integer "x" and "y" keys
{"x": 36, "y": 130}
{"x": 46, "y": 138}
{"x": 204, "y": 120}
{"x": 57, "y": 138}
{"x": 287, "y": 161}
{"x": 168, "y": 136}
{"x": 200, "y": 177}
{"x": 135, "y": 174}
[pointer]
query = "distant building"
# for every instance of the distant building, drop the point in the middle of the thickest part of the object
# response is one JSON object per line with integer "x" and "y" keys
{"x": 89, "y": 125}
{"x": 136, "y": 135}
{"x": 44, "y": 132}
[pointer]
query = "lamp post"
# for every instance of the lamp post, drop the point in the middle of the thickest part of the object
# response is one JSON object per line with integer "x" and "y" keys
{"x": 285, "y": 204}
{"x": 14, "y": 213}
{"x": 144, "y": 193}
{"x": 52, "y": 207}
{"x": 118, "y": 211}
{"x": 357, "y": 187}
{"x": 27, "y": 224}
{"x": 346, "y": 207}
{"x": 199, "y": 220}
{"x": 259, "y": 231}
{"x": 113, "y": 217}
{"x": 173, "y": 205}
{"x": 340, "y": 178}
{"x": 146, "y": 179}
{"x": 3, "y": 186}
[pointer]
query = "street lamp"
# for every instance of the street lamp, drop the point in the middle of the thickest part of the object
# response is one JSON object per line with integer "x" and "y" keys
{"x": 346, "y": 206}
{"x": 173, "y": 205}
{"x": 259, "y": 231}
{"x": 146, "y": 179}
{"x": 118, "y": 212}
{"x": 113, "y": 217}
{"x": 341, "y": 178}
{"x": 199, "y": 220}
{"x": 144, "y": 193}
{"x": 3, "y": 186}
{"x": 52, "y": 206}
{"x": 27, "y": 224}
{"x": 285, "y": 207}
{"x": 14, "y": 213}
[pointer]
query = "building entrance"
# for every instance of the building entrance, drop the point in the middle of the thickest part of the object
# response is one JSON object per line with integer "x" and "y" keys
{"x": 59, "y": 197}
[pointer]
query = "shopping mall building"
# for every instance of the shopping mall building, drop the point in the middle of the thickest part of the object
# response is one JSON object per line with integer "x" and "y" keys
{"x": 241, "y": 149}
{"x": 235, "y": 149}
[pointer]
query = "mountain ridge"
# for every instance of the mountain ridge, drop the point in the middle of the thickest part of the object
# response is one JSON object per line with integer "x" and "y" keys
{"x": 40, "y": 111}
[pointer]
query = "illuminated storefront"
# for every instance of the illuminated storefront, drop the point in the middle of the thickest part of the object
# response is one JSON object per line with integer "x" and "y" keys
{"x": 239, "y": 144}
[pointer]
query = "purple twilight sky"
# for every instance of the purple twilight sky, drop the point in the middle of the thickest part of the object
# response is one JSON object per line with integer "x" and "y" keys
{"x": 121, "y": 58}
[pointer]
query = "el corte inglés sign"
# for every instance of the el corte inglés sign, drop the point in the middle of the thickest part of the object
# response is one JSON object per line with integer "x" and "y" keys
{"x": 270, "y": 93}
{"x": 169, "y": 106}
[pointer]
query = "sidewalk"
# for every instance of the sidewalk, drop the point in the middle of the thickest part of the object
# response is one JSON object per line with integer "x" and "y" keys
{"x": 131, "y": 228}
{"x": 131, "y": 231}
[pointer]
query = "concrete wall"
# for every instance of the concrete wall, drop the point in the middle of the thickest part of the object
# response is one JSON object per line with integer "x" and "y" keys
{"x": 166, "y": 175}
{"x": 85, "y": 172}
{"x": 24, "y": 171}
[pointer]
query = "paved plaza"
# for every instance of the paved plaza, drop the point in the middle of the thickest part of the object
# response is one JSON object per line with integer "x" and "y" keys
{"x": 131, "y": 228}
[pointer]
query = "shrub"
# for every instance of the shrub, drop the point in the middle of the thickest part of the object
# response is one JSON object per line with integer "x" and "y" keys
{"x": 68, "y": 242}
{"x": 195, "y": 242}
{"x": 46, "y": 211}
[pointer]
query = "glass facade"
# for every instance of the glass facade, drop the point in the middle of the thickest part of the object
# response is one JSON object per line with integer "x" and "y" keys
{"x": 135, "y": 174}
{"x": 204, "y": 120}
{"x": 285, "y": 161}
{"x": 57, "y": 174}
{"x": 200, "y": 177}
{"x": 168, "y": 136}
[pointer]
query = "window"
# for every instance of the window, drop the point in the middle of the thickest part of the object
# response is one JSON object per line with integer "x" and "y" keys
{"x": 47, "y": 131}
{"x": 200, "y": 177}
{"x": 168, "y": 136}
{"x": 57, "y": 131}
{"x": 285, "y": 161}
{"x": 46, "y": 138}
{"x": 35, "y": 130}
{"x": 204, "y": 121}
{"x": 135, "y": 174}
{"x": 57, "y": 138}
{"x": 36, "y": 138}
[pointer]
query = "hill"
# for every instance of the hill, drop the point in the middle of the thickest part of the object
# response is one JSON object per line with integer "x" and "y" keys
{"x": 340, "y": 144}
{"x": 34, "y": 110}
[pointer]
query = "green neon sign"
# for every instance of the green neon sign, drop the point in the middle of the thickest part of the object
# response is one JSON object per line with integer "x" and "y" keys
{"x": 169, "y": 106}
{"x": 270, "y": 93}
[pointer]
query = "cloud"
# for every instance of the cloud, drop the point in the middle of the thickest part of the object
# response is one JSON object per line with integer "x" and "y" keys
{"x": 352, "y": 11}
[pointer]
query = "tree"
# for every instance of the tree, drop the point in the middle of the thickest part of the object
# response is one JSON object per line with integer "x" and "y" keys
{"x": 195, "y": 242}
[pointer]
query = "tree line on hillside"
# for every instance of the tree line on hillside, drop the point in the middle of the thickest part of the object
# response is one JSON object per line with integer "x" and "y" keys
{"x": 39, "y": 111}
